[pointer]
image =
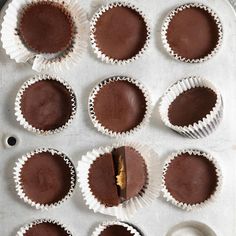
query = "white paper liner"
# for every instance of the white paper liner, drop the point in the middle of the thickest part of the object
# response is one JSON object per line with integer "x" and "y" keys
{"x": 188, "y": 207}
{"x": 127, "y": 209}
{"x": 101, "y": 55}
{"x": 23, "y": 230}
{"x": 18, "y": 111}
{"x": 19, "y": 185}
{"x": 203, "y": 127}
{"x": 105, "y": 225}
{"x": 107, "y": 131}
{"x": 167, "y": 21}
{"x": 17, "y": 50}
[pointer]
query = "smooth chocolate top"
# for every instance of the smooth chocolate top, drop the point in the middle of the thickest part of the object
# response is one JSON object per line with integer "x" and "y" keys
{"x": 44, "y": 229}
{"x": 46, "y": 105}
{"x": 120, "y": 33}
{"x": 120, "y": 106}
{"x": 102, "y": 180}
{"x": 46, "y": 178}
{"x": 191, "y": 106}
{"x": 103, "y": 172}
{"x": 136, "y": 173}
{"x": 46, "y": 27}
{"x": 191, "y": 179}
{"x": 116, "y": 230}
{"x": 193, "y": 33}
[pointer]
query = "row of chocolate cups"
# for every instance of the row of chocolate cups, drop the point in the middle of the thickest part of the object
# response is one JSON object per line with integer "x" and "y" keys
{"x": 53, "y": 227}
{"x": 192, "y": 106}
{"x": 133, "y": 173}
{"x": 66, "y": 51}
{"x": 110, "y": 228}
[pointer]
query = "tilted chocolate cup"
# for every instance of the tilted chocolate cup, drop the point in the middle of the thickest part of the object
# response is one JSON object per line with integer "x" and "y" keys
{"x": 203, "y": 127}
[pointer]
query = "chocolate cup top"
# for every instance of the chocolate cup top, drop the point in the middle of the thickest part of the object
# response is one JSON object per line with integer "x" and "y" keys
{"x": 46, "y": 228}
{"x": 103, "y": 176}
{"x": 120, "y": 32}
{"x": 191, "y": 179}
{"x": 120, "y": 106}
{"x": 46, "y": 27}
{"x": 192, "y": 106}
{"x": 116, "y": 230}
{"x": 192, "y": 33}
{"x": 47, "y": 105}
{"x": 46, "y": 178}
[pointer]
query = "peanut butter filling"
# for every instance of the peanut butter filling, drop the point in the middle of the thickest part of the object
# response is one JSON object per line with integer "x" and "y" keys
{"x": 121, "y": 177}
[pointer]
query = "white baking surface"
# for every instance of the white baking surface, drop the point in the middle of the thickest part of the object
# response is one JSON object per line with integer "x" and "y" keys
{"x": 157, "y": 71}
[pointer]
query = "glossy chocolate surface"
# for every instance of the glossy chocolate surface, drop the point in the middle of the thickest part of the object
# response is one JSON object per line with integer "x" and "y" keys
{"x": 44, "y": 229}
{"x": 120, "y": 33}
{"x": 193, "y": 33}
{"x": 120, "y": 106}
{"x": 191, "y": 106}
{"x": 46, "y": 105}
{"x": 191, "y": 179}
{"x": 46, "y": 27}
{"x": 116, "y": 230}
{"x": 46, "y": 178}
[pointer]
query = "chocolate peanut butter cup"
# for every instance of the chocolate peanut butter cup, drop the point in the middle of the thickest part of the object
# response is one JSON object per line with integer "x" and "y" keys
{"x": 119, "y": 106}
{"x": 45, "y": 105}
{"x": 118, "y": 180}
{"x": 115, "y": 228}
{"x": 190, "y": 178}
{"x": 192, "y": 106}
{"x": 119, "y": 33}
{"x": 43, "y": 227}
{"x": 51, "y": 35}
{"x": 44, "y": 178}
{"x": 192, "y": 33}
{"x": 46, "y": 27}
{"x": 118, "y": 176}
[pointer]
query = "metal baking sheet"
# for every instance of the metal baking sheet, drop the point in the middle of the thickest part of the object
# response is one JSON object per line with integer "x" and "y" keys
{"x": 157, "y": 71}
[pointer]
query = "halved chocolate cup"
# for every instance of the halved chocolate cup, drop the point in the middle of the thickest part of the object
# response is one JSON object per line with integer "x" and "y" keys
{"x": 119, "y": 106}
{"x": 44, "y": 178}
{"x": 45, "y": 105}
{"x": 118, "y": 176}
{"x": 192, "y": 33}
{"x": 46, "y": 27}
{"x": 43, "y": 227}
{"x": 119, "y": 33}
{"x": 191, "y": 178}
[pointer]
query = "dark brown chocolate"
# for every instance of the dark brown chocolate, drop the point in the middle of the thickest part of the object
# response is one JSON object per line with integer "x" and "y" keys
{"x": 46, "y": 27}
{"x": 193, "y": 33}
{"x": 102, "y": 180}
{"x": 46, "y": 105}
{"x": 120, "y": 106}
{"x": 46, "y": 178}
{"x": 120, "y": 33}
{"x": 191, "y": 179}
{"x": 104, "y": 171}
{"x": 116, "y": 230}
{"x": 191, "y": 106}
{"x": 135, "y": 170}
{"x": 44, "y": 229}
